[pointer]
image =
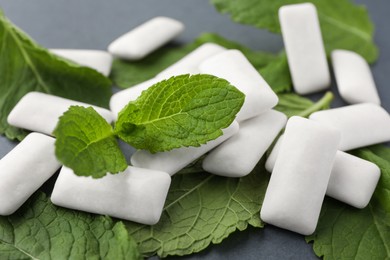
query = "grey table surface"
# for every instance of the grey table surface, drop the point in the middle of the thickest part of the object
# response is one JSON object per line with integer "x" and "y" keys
{"x": 93, "y": 24}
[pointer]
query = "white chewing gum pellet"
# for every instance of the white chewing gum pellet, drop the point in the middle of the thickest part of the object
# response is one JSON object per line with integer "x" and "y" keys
{"x": 353, "y": 180}
{"x": 40, "y": 112}
{"x": 189, "y": 64}
{"x": 146, "y": 38}
{"x": 135, "y": 194}
{"x": 271, "y": 159}
{"x": 120, "y": 99}
{"x": 354, "y": 78}
{"x": 304, "y": 48}
{"x": 300, "y": 177}
{"x": 233, "y": 66}
{"x": 237, "y": 156}
{"x": 95, "y": 59}
{"x": 176, "y": 159}
{"x": 360, "y": 125}
{"x": 24, "y": 169}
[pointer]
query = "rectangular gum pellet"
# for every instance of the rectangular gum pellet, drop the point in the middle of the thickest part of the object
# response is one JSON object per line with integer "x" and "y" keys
{"x": 146, "y": 38}
{"x": 300, "y": 177}
{"x": 352, "y": 180}
{"x": 187, "y": 65}
{"x": 360, "y": 125}
{"x": 135, "y": 194}
{"x": 174, "y": 160}
{"x": 40, "y": 112}
{"x": 354, "y": 78}
{"x": 237, "y": 156}
{"x": 304, "y": 47}
{"x": 24, "y": 169}
{"x": 233, "y": 66}
{"x": 95, "y": 59}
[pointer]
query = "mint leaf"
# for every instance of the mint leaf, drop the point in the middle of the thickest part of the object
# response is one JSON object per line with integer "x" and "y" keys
{"x": 25, "y": 67}
{"x": 347, "y": 233}
{"x": 86, "y": 143}
{"x": 258, "y": 59}
{"x": 125, "y": 73}
{"x": 181, "y": 111}
{"x": 340, "y": 31}
{"x": 128, "y": 73}
{"x": 202, "y": 209}
{"x": 277, "y": 74}
{"x": 295, "y": 105}
{"x": 40, "y": 230}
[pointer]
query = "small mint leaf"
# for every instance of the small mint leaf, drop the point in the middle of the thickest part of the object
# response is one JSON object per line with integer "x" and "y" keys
{"x": 87, "y": 144}
{"x": 181, "y": 111}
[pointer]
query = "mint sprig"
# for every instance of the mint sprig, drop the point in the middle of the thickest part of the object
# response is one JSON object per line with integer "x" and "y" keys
{"x": 87, "y": 144}
{"x": 181, "y": 111}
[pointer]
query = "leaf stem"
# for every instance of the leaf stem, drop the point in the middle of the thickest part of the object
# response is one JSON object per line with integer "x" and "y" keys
{"x": 320, "y": 104}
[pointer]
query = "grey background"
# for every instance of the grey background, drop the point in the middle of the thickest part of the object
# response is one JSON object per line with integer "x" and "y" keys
{"x": 93, "y": 24}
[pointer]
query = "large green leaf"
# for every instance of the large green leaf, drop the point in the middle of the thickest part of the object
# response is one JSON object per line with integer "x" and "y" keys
{"x": 344, "y": 232}
{"x": 39, "y": 230}
{"x": 344, "y": 25}
{"x": 181, "y": 111}
{"x": 25, "y": 67}
{"x": 202, "y": 209}
{"x": 86, "y": 143}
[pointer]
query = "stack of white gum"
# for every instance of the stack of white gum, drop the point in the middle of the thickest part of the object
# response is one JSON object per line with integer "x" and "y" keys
{"x": 100, "y": 61}
{"x": 135, "y": 194}
{"x": 187, "y": 65}
{"x": 352, "y": 180}
{"x": 300, "y": 177}
{"x": 23, "y": 170}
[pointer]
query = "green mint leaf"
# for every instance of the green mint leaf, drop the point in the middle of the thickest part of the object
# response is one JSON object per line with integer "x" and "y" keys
{"x": 128, "y": 73}
{"x": 344, "y": 232}
{"x": 181, "y": 111}
{"x": 340, "y": 31}
{"x": 295, "y": 105}
{"x": 202, "y": 209}
{"x": 40, "y": 230}
{"x": 125, "y": 73}
{"x": 277, "y": 74}
{"x": 86, "y": 143}
{"x": 25, "y": 67}
{"x": 258, "y": 59}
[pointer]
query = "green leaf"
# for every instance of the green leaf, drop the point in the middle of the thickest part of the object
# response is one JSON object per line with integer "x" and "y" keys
{"x": 277, "y": 74}
{"x": 202, "y": 209}
{"x": 40, "y": 230}
{"x": 344, "y": 25}
{"x": 86, "y": 143}
{"x": 128, "y": 73}
{"x": 258, "y": 59}
{"x": 25, "y": 67}
{"x": 295, "y": 105}
{"x": 181, "y": 111}
{"x": 125, "y": 73}
{"x": 344, "y": 232}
